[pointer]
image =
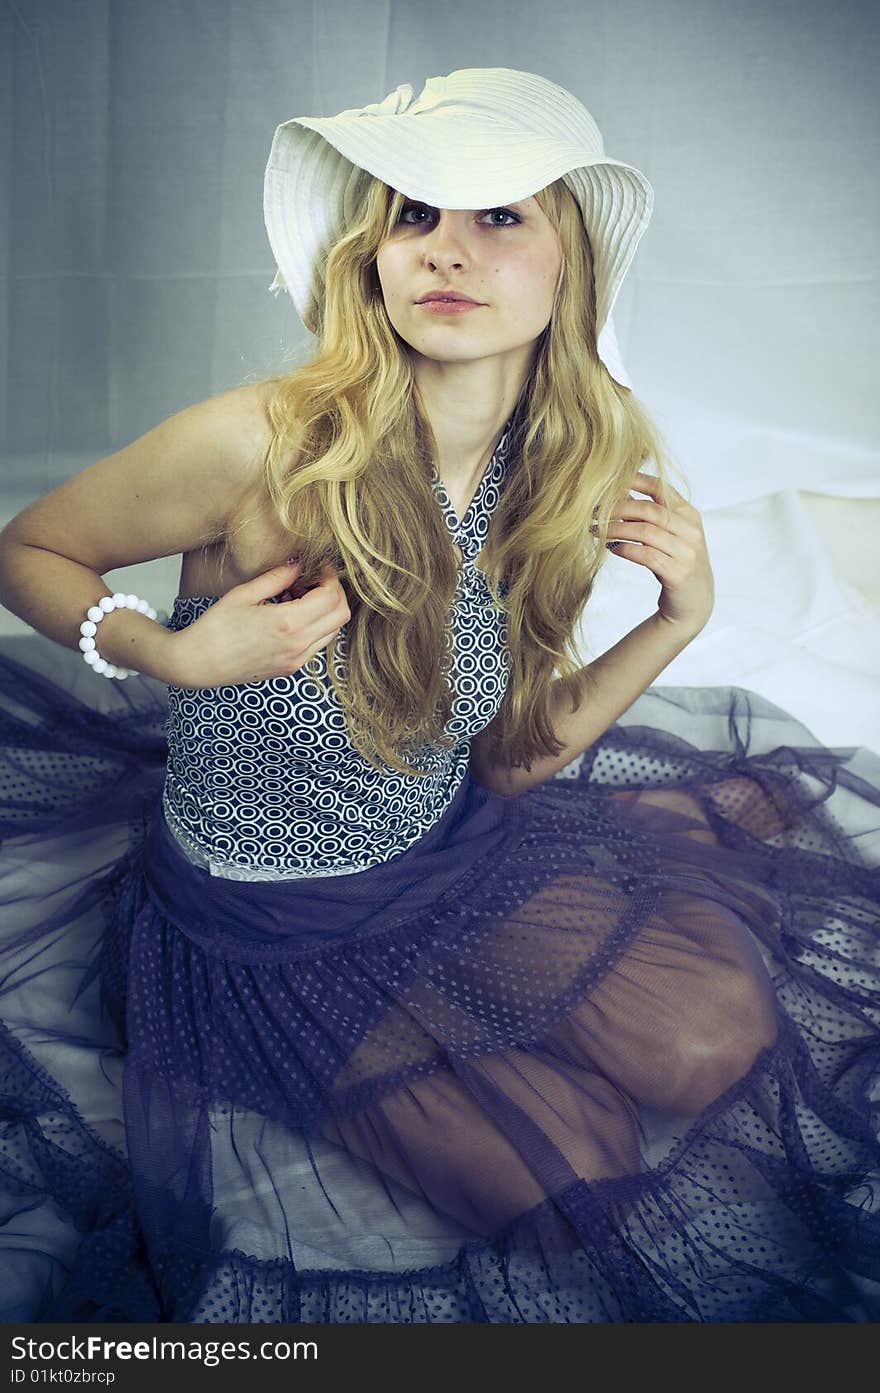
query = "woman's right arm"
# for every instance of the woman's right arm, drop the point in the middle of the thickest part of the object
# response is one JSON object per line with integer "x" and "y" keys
{"x": 170, "y": 491}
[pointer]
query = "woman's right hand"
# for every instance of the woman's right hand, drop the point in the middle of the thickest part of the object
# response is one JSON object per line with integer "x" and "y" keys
{"x": 241, "y": 639}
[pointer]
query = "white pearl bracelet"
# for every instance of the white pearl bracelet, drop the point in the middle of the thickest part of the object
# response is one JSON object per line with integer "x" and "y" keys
{"x": 88, "y": 629}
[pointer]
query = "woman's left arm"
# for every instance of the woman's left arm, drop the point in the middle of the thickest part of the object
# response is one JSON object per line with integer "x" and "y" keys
{"x": 670, "y": 542}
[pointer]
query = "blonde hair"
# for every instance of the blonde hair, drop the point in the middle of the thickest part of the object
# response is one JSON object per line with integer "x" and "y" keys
{"x": 349, "y": 477}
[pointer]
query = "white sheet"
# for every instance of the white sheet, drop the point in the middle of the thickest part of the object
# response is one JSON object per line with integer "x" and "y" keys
{"x": 786, "y": 624}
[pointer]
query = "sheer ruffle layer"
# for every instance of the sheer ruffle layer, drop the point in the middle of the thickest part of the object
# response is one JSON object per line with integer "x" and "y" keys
{"x": 608, "y": 1051}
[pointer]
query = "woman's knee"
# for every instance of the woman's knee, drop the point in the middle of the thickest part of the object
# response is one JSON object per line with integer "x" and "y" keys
{"x": 434, "y": 1137}
{"x": 717, "y": 1042}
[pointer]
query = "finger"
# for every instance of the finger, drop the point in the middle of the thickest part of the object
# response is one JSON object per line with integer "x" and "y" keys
{"x": 647, "y": 534}
{"x": 648, "y": 483}
{"x": 644, "y": 510}
{"x": 665, "y": 539}
{"x": 683, "y": 519}
{"x": 652, "y": 485}
{"x": 316, "y": 611}
{"x": 628, "y": 506}
{"x": 270, "y": 582}
{"x": 313, "y": 650}
{"x": 656, "y": 561}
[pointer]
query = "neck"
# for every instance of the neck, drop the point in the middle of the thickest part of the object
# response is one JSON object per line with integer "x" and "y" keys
{"x": 467, "y": 412}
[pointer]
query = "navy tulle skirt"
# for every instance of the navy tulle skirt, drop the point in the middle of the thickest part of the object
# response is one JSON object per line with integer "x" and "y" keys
{"x": 609, "y": 1051}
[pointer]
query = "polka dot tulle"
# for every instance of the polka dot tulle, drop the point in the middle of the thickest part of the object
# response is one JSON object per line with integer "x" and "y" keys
{"x": 609, "y": 1051}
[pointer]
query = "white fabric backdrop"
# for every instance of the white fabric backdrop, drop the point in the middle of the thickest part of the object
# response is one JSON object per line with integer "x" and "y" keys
{"x": 137, "y": 265}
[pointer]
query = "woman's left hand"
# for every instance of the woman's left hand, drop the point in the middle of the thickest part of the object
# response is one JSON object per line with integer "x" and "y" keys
{"x": 668, "y": 540}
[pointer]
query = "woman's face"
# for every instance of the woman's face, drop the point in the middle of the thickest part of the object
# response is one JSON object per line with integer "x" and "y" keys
{"x": 506, "y": 258}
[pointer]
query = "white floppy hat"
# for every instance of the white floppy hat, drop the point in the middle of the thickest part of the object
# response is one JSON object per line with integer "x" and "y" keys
{"x": 477, "y": 138}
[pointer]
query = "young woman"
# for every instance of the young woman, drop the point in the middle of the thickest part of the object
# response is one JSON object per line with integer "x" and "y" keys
{"x": 324, "y": 999}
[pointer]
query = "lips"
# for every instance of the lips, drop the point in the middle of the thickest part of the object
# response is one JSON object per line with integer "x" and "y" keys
{"x": 447, "y": 295}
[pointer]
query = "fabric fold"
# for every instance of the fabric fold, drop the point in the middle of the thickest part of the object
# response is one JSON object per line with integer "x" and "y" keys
{"x": 608, "y": 1051}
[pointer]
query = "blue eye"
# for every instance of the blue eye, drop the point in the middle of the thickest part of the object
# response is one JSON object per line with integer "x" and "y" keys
{"x": 411, "y": 208}
{"x": 507, "y": 213}
{"x": 423, "y": 208}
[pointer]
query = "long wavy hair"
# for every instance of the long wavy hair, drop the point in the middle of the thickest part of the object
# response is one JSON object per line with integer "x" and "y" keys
{"x": 349, "y": 475}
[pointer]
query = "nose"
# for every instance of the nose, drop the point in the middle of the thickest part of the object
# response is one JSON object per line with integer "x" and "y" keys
{"x": 444, "y": 244}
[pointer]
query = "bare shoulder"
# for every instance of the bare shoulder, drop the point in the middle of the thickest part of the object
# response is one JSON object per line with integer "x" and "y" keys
{"x": 252, "y": 400}
{"x": 243, "y": 416}
{"x": 174, "y": 489}
{"x": 247, "y": 408}
{"x": 244, "y": 425}
{"x": 249, "y": 539}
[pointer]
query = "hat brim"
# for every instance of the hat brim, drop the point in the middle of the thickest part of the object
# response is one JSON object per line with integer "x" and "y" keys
{"x": 459, "y": 163}
{"x": 470, "y": 163}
